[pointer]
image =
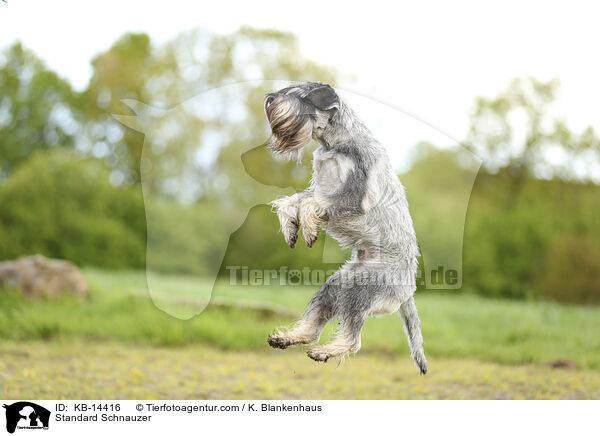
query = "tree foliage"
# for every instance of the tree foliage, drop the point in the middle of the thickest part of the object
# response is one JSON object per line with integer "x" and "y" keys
{"x": 164, "y": 76}
{"x": 70, "y": 172}
{"x": 519, "y": 131}
{"x": 63, "y": 206}
{"x": 38, "y": 109}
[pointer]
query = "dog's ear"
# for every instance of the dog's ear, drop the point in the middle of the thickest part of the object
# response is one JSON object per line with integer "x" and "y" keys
{"x": 324, "y": 98}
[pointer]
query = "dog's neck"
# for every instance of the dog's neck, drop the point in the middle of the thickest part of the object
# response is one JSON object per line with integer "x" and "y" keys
{"x": 344, "y": 129}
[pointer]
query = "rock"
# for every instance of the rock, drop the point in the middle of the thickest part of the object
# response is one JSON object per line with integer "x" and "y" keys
{"x": 38, "y": 275}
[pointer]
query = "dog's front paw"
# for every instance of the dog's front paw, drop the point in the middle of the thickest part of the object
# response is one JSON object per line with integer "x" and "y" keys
{"x": 310, "y": 235}
{"x": 290, "y": 233}
{"x": 287, "y": 212}
{"x": 312, "y": 216}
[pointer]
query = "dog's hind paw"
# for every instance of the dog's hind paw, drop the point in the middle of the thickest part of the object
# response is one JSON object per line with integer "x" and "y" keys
{"x": 318, "y": 355}
{"x": 322, "y": 353}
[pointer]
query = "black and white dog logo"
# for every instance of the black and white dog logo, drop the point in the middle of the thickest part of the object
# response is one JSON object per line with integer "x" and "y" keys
{"x": 26, "y": 415}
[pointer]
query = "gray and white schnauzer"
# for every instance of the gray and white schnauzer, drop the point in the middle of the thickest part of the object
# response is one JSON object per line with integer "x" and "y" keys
{"x": 356, "y": 197}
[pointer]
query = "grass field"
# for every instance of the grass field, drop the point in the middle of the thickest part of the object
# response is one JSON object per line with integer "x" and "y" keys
{"x": 117, "y": 343}
{"x": 109, "y": 370}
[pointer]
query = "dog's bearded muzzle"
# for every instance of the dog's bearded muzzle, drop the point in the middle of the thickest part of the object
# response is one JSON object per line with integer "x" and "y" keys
{"x": 290, "y": 120}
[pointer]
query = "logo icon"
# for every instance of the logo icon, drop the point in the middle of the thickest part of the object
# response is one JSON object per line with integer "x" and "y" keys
{"x": 26, "y": 415}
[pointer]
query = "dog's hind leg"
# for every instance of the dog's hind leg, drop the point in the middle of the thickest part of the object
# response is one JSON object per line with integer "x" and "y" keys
{"x": 308, "y": 330}
{"x": 346, "y": 342}
{"x": 368, "y": 290}
{"x": 354, "y": 304}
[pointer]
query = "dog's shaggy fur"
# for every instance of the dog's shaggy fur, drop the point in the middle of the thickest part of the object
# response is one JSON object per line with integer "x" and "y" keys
{"x": 356, "y": 197}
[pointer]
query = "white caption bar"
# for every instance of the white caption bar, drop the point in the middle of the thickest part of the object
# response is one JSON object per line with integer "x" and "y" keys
{"x": 150, "y": 417}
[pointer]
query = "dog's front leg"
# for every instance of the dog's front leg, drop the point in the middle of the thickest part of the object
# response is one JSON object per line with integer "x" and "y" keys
{"x": 312, "y": 213}
{"x": 287, "y": 209}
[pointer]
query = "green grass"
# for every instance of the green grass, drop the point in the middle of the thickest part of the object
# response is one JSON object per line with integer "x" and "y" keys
{"x": 454, "y": 325}
{"x": 76, "y": 369}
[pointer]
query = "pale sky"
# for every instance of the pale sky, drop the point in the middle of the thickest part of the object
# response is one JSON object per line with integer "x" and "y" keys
{"x": 428, "y": 58}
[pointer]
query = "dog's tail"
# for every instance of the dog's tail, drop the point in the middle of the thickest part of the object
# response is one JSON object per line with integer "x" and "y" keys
{"x": 412, "y": 328}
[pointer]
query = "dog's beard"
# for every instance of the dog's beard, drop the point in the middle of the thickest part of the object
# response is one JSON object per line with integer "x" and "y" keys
{"x": 291, "y": 125}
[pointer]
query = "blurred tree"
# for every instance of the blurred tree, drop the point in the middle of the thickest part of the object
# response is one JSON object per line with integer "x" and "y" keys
{"x": 570, "y": 271}
{"x": 180, "y": 70}
{"x": 119, "y": 73}
{"x": 517, "y": 131}
{"x": 38, "y": 109}
{"x": 522, "y": 234}
{"x": 541, "y": 243}
{"x": 205, "y": 151}
{"x": 198, "y": 100}
{"x": 60, "y": 205}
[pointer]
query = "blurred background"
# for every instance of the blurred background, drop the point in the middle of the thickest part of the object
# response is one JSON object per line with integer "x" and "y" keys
{"x": 132, "y": 145}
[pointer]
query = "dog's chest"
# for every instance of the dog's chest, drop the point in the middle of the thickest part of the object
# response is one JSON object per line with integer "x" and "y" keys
{"x": 330, "y": 170}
